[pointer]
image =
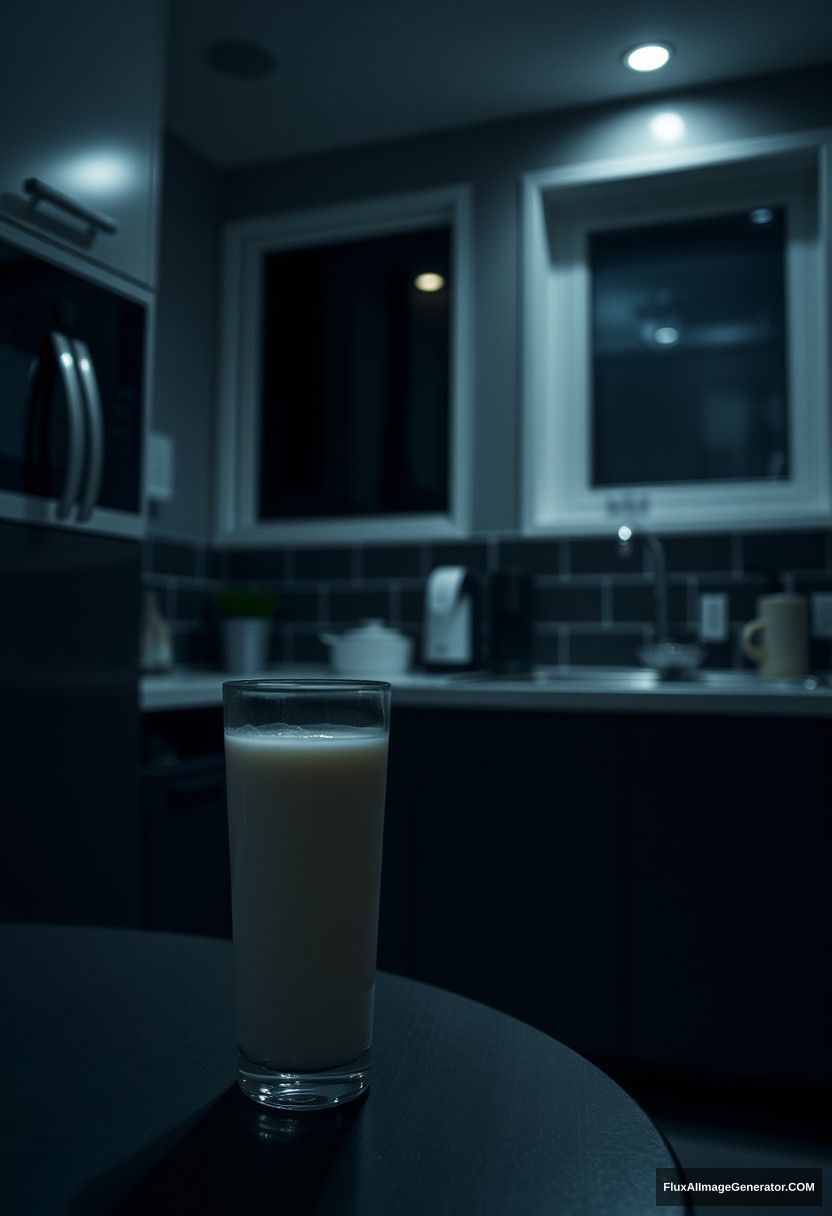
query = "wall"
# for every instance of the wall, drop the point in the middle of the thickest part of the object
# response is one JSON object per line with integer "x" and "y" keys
{"x": 183, "y": 385}
{"x": 590, "y": 606}
{"x": 492, "y": 158}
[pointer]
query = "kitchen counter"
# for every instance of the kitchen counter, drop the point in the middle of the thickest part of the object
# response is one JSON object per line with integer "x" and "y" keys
{"x": 588, "y": 690}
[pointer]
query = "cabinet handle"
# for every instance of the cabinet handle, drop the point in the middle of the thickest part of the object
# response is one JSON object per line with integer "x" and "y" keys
{"x": 95, "y": 429}
{"x": 40, "y": 192}
{"x": 75, "y": 444}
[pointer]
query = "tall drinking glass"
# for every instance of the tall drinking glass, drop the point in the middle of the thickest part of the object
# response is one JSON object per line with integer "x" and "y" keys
{"x": 306, "y": 763}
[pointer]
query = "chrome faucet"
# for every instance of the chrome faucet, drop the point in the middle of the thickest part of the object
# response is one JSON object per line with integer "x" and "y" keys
{"x": 625, "y": 548}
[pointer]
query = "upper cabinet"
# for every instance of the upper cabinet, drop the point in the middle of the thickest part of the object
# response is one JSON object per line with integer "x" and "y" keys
{"x": 81, "y": 92}
{"x": 344, "y": 404}
{"x": 676, "y": 339}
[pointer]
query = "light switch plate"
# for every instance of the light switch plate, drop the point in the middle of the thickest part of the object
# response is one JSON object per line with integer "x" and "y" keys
{"x": 713, "y": 617}
{"x": 821, "y": 615}
{"x": 160, "y": 467}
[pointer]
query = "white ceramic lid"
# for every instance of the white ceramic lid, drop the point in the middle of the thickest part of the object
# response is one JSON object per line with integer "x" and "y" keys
{"x": 372, "y": 631}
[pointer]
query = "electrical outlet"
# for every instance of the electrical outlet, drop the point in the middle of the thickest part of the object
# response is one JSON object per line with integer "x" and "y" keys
{"x": 822, "y": 615}
{"x": 713, "y": 617}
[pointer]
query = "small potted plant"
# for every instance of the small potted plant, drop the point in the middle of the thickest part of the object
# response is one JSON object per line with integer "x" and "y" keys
{"x": 246, "y": 628}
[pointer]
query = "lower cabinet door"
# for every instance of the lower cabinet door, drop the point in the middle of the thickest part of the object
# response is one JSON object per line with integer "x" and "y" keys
{"x": 186, "y": 886}
{"x": 730, "y": 901}
{"x": 516, "y": 883}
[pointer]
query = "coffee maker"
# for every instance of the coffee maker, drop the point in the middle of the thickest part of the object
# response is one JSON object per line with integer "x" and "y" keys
{"x": 510, "y": 601}
{"x": 452, "y": 633}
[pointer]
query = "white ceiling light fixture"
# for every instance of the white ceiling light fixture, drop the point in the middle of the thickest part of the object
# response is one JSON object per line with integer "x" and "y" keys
{"x": 761, "y": 215}
{"x": 429, "y": 281}
{"x": 647, "y": 56}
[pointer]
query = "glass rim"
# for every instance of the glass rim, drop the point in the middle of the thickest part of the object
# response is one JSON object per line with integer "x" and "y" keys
{"x": 265, "y": 686}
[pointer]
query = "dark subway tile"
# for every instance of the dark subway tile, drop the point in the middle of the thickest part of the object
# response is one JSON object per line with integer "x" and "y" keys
{"x": 411, "y": 607}
{"x": 567, "y": 603}
{"x": 349, "y": 607}
{"x": 197, "y": 647}
{"x": 214, "y": 564}
{"x": 254, "y": 565}
{"x": 638, "y": 603}
{"x": 820, "y": 654}
{"x": 808, "y": 584}
{"x": 323, "y": 563}
{"x": 308, "y": 648}
{"x": 193, "y": 605}
{"x": 604, "y": 649}
{"x": 299, "y": 607}
{"x": 392, "y": 561}
{"x": 718, "y": 656}
{"x": 168, "y": 558}
{"x": 689, "y": 554}
{"x": 603, "y": 556}
{"x": 546, "y": 649}
{"x": 471, "y": 554}
{"x": 774, "y": 551}
{"x": 281, "y": 651}
{"x": 537, "y": 556}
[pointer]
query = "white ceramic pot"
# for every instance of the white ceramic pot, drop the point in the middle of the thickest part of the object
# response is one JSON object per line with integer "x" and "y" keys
{"x": 245, "y": 643}
{"x": 371, "y": 649}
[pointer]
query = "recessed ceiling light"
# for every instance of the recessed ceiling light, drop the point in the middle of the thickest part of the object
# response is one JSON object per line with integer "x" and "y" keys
{"x": 429, "y": 280}
{"x": 666, "y": 335}
{"x": 648, "y": 56}
{"x": 244, "y": 60}
{"x": 761, "y": 215}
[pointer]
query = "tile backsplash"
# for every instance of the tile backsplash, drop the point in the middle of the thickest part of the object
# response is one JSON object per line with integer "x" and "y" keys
{"x": 590, "y": 605}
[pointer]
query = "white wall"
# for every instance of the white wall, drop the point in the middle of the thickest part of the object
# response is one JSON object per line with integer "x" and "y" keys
{"x": 182, "y": 392}
{"x": 492, "y": 158}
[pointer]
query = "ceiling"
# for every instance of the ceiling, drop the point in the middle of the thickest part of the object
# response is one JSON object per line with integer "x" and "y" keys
{"x": 356, "y": 71}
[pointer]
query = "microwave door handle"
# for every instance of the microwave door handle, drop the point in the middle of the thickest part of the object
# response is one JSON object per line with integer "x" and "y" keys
{"x": 65, "y": 361}
{"x": 95, "y": 429}
{"x": 41, "y": 192}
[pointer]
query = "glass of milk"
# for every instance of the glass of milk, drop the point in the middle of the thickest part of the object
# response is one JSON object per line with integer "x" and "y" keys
{"x": 306, "y": 764}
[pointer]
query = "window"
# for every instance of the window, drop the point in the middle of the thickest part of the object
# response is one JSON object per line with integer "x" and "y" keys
{"x": 689, "y": 351}
{"x": 674, "y": 356}
{"x": 345, "y": 388}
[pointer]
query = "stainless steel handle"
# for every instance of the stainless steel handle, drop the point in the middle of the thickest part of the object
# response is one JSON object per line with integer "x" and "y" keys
{"x": 95, "y": 429}
{"x": 40, "y": 192}
{"x": 75, "y": 415}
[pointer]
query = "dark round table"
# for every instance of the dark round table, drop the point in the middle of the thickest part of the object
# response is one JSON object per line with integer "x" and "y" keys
{"x": 118, "y": 1095}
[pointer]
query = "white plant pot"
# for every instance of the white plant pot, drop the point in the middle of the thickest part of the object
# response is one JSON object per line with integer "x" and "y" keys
{"x": 245, "y": 642}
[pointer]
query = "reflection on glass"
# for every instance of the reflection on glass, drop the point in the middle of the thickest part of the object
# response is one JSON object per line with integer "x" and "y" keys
{"x": 689, "y": 379}
{"x": 355, "y": 392}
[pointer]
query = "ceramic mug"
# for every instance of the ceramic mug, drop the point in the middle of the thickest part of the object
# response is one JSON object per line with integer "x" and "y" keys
{"x": 778, "y": 639}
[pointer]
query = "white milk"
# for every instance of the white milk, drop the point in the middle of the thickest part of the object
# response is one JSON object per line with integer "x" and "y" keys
{"x": 305, "y": 812}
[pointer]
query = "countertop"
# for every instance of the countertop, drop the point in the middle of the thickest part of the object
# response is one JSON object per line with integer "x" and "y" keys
{"x": 589, "y": 690}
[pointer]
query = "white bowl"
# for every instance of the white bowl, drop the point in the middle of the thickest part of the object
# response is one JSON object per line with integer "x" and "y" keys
{"x": 672, "y": 658}
{"x": 371, "y": 649}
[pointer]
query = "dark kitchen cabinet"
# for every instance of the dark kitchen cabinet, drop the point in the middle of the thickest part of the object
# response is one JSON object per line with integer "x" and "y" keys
{"x": 185, "y": 866}
{"x": 514, "y": 826}
{"x": 69, "y": 745}
{"x": 728, "y": 857}
{"x": 81, "y": 92}
{"x": 185, "y": 849}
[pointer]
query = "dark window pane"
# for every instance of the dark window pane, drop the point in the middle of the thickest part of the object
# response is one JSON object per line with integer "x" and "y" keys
{"x": 355, "y": 398}
{"x": 689, "y": 351}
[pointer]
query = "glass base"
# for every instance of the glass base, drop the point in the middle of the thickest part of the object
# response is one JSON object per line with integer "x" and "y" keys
{"x": 297, "y": 1091}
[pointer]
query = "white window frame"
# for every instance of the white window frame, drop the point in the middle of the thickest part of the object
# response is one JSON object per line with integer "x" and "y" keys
{"x": 245, "y": 243}
{"x": 559, "y": 209}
